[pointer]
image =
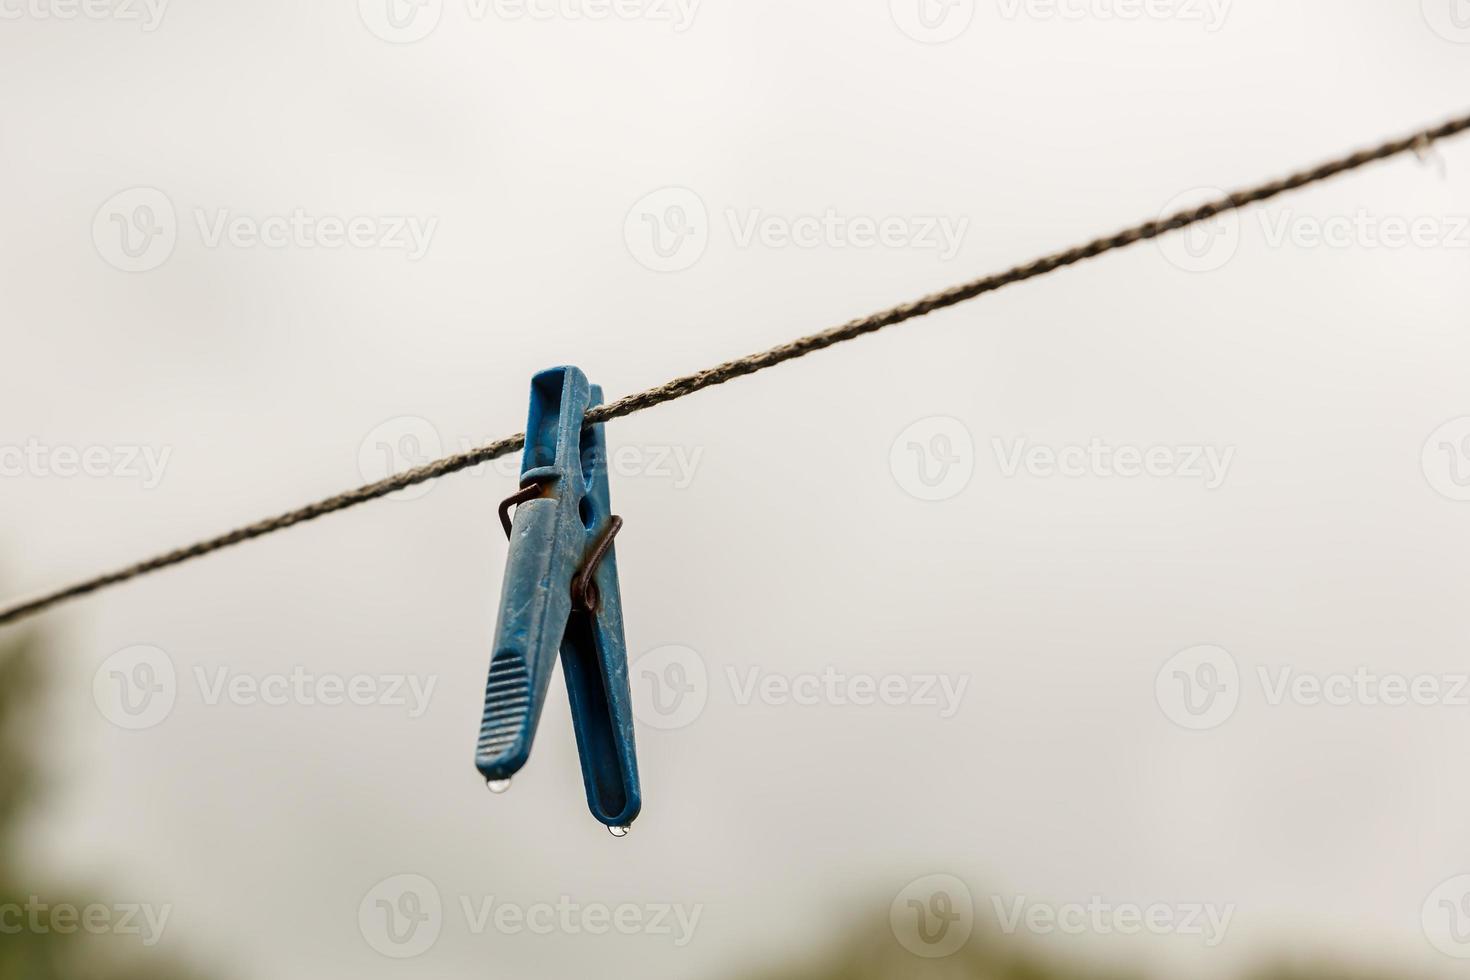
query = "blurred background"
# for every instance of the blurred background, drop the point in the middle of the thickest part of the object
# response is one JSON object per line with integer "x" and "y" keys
{"x": 1109, "y": 626}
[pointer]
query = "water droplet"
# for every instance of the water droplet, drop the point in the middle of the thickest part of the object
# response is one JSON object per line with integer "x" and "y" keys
{"x": 618, "y": 831}
{"x": 498, "y": 785}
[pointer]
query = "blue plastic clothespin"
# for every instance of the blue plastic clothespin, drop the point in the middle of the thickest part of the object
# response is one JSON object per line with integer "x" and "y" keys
{"x": 561, "y": 593}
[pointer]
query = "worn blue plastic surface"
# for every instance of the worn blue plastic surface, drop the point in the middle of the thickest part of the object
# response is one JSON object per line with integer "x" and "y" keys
{"x": 550, "y": 538}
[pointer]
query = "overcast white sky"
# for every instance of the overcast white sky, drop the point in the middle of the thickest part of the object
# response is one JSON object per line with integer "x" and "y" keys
{"x": 247, "y": 247}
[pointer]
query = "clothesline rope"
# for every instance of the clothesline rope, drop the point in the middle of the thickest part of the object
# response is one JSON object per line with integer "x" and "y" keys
{"x": 1419, "y": 142}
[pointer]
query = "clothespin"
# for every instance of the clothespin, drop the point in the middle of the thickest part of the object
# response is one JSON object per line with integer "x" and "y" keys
{"x": 561, "y": 593}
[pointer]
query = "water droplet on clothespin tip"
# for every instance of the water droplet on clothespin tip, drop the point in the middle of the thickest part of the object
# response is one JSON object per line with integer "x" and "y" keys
{"x": 618, "y": 831}
{"x": 497, "y": 786}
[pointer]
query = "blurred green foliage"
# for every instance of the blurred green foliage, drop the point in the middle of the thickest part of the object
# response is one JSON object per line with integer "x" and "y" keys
{"x": 874, "y": 954}
{"x": 47, "y": 954}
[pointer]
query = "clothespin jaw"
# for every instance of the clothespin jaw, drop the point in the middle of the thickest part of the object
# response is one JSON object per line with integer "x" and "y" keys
{"x": 561, "y": 594}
